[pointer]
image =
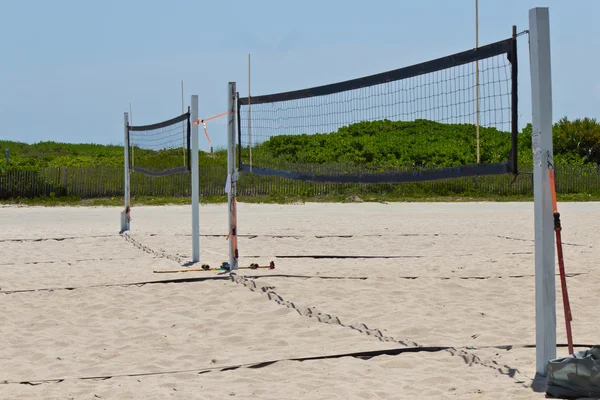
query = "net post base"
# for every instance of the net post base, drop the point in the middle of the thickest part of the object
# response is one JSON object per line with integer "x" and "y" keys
{"x": 125, "y": 221}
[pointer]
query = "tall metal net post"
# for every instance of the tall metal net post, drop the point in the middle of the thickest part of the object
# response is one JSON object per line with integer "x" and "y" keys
{"x": 195, "y": 176}
{"x": 125, "y": 223}
{"x": 232, "y": 174}
{"x": 541, "y": 96}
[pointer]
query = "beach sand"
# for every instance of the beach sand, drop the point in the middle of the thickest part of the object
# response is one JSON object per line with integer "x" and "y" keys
{"x": 83, "y": 315}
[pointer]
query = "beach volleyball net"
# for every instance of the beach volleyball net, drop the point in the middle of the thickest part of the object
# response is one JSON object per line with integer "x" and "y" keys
{"x": 160, "y": 149}
{"x": 449, "y": 117}
{"x": 164, "y": 149}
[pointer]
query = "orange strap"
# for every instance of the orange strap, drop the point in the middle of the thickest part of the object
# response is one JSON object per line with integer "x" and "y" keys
{"x": 205, "y": 131}
{"x": 553, "y": 189}
{"x": 209, "y": 118}
{"x": 235, "y": 219}
{"x": 203, "y": 122}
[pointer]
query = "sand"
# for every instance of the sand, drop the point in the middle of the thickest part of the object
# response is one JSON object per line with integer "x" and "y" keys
{"x": 83, "y": 315}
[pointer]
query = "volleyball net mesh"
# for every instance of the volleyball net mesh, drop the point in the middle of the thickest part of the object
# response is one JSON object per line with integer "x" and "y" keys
{"x": 160, "y": 149}
{"x": 411, "y": 124}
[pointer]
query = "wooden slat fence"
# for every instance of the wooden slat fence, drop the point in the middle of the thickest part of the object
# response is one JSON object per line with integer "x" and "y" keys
{"x": 95, "y": 182}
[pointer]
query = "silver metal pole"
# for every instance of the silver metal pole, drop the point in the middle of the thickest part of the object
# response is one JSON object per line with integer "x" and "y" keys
{"x": 232, "y": 177}
{"x": 195, "y": 184}
{"x": 125, "y": 223}
{"x": 541, "y": 140}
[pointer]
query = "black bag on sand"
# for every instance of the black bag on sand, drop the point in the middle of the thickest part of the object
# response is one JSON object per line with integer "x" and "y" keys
{"x": 575, "y": 376}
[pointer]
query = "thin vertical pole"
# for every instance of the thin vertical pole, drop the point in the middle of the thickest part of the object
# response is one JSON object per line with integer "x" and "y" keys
{"x": 125, "y": 215}
{"x": 249, "y": 118}
{"x": 131, "y": 144}
{"x": 195, "y": 184}
{"x": 232, "y": 177}
{"x": 183, "y": 145}
{"x": 514, "y": 103}
{"x": 541, "y": 96}
{"x": 477, "y": 77}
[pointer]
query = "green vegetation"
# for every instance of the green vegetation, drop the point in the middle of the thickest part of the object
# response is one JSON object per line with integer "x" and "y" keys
{"x": 575, "y": 142}
{"x": 59, "y": 173}
{"x": 53, "y": 154}
{"x": 388, "y": 144}
{"x": 381, "y": 143}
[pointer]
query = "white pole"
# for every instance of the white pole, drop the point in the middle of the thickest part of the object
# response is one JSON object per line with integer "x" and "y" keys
{"x": 249, "y": 118}
{"x": 231, "y": 177}
{"x": 477, "y": 77}
{"x": 541, "y": 96}
{"x": 195, "y": 184}
{"x": 125, "y": 225}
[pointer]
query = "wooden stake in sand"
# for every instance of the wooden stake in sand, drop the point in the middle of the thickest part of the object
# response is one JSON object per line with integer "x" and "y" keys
{"x": 206, "y": 267}
{"x": 561, "y": 262}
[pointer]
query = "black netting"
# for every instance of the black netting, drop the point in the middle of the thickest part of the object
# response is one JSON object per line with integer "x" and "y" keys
{"x": 162, "y": 148}
{"x": 416, "y": 123}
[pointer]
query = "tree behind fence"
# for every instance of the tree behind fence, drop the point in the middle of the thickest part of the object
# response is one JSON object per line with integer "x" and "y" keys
{"x": 94, "y": 182}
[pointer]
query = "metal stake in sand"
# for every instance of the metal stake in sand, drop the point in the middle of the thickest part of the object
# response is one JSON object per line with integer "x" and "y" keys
{"x": 561, "y": 262}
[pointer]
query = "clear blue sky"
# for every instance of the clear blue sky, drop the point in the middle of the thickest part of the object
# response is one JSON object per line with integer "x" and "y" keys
{"x": 69, "y": 69}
